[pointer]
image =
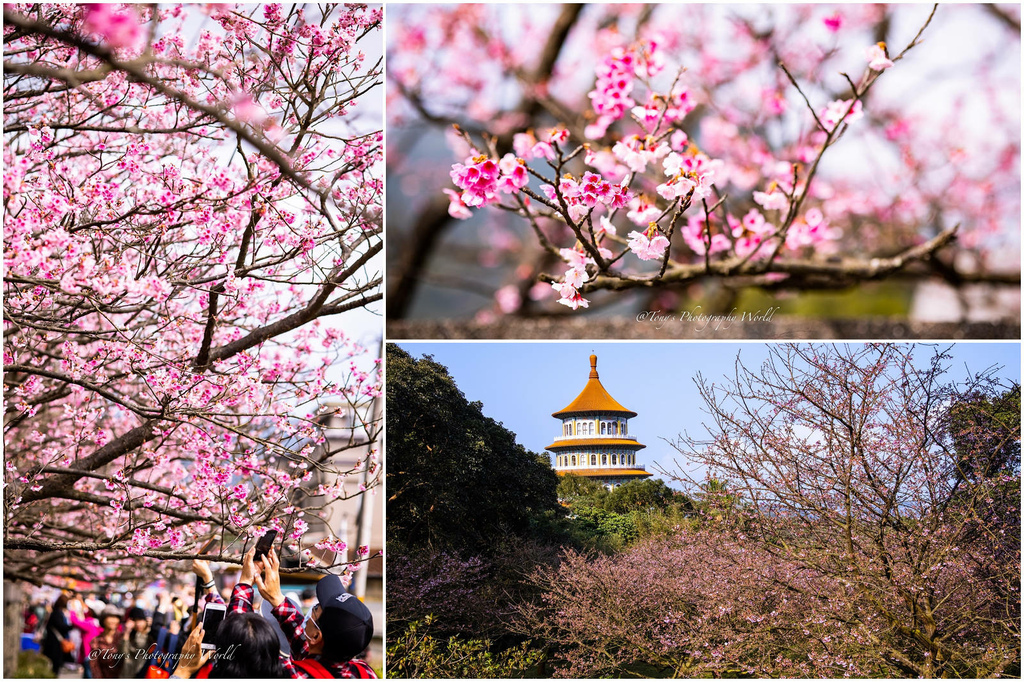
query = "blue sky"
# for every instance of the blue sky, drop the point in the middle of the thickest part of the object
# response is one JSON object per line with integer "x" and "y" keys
{"x": 521, "y": 384}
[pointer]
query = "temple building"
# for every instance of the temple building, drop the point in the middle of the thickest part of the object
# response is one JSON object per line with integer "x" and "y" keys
{"x": 595, "y": 440}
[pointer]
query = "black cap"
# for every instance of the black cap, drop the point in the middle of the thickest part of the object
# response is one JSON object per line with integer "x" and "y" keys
{"x": 345, "y": 622}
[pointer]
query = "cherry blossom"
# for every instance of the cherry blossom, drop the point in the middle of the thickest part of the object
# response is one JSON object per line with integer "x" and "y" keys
{"x": 649, "y": 245}
{"x": 841, "y": 111}
{"x": 186, "y": 226}
{"x": 878, "y": 60}
{"x": 114, "y": 27}
{"x": 770, "y": 113}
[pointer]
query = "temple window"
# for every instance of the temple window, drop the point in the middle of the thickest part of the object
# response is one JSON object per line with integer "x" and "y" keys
{"x": 604, "y": 460}
{"x": 593, "y": 460}
{"x": 615, "y": 460}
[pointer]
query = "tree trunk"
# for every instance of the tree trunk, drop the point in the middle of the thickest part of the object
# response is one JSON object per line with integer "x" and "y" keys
{"x": 12, "y": 626}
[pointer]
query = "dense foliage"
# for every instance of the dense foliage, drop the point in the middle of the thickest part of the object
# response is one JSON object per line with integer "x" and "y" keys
{"x": 457, "y": 479}
{"x": 463, "y": 496}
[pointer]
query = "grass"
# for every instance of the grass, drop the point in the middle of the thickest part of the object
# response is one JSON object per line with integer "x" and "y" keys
{"x": 886, "y": 299}
{"x": 32, "y": 664}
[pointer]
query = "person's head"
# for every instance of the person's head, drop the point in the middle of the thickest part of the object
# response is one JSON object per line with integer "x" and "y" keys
{"x": 255, "y": 649}
{"x": 109, "y": 620}
{"x": 308, "y": 596}
{"x": 94, "y": 607}
{"x": 339, "y": 626}
{"x": 139, "y": 618}
{"x": 61, "y": 603}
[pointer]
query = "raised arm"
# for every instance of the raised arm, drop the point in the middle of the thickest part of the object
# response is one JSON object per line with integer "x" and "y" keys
{"x": 287, "y": 615}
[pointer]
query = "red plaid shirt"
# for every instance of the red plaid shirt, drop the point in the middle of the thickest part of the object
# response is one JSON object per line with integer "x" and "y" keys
{"x": 290, "y": 619}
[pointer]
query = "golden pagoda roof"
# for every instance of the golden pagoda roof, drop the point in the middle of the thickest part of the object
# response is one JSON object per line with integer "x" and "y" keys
{"x": 604, "y": 472}
{"x": 593, "y": 398}
{"x": 597, "y": 440}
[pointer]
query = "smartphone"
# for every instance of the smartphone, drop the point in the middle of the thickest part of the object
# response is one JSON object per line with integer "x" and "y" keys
{"x": 264, "y": 545}
{"x": 213, "y": 615}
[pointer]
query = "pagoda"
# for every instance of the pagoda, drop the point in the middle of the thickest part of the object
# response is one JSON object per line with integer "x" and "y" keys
{"x": 595, "y": 441}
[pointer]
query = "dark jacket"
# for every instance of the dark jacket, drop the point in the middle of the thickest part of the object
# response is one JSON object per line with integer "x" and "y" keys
{"x": 57, "y": 627}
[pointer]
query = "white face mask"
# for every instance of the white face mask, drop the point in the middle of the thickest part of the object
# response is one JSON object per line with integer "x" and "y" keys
{"x": 305, "y": 626}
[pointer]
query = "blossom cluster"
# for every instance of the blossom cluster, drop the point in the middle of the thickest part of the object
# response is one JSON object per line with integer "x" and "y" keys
{"x": 481, "y": 179}
{"x": 616, "y": 74}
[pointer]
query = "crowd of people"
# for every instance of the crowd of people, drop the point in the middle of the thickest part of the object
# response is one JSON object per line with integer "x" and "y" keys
{"x": 324, "y": 636}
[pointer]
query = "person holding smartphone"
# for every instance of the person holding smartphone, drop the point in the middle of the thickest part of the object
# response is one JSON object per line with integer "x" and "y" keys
{"x": 246, "y": 645}
{"x": 338, "y": 629}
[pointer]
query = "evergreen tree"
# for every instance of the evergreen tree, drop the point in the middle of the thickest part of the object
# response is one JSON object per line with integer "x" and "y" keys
{"x": 457, "y": 479}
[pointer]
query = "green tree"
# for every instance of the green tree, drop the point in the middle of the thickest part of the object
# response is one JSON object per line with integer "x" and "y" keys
{"x": 579, "y": 490}
{"x": 598, "y": 529}
{"x": 457, "y": 479}
{"x": 985, "y": 430}
{"x": 642, "y": 495}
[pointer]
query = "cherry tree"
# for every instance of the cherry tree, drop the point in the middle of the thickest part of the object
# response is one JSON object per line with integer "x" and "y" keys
{"x": 850, "y": 520}
{"x": 850, "y": 464}
{"x": 664, "y": 149}
{"x": 192, "y": 201}
{"x": 706, "y": 605}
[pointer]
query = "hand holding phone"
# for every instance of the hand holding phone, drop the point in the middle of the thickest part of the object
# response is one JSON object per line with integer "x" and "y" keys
{"x": 264, "y": 544}
{"x": 213, "y": 615}
{"x": 192, "y": 656}
{"x": 248, "y": 568}
{"x": 269, "y": 584}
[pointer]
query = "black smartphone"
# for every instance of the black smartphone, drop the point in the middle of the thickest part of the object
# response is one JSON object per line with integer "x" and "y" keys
{"x": 213, "y": 615}
{"x": 265, "y": 543}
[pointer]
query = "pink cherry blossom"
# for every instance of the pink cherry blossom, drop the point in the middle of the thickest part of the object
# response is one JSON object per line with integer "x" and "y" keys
{"x": 642, "y": 211}
{"x": 117, "y": 28}
{"x": 833, "y": 22}
{"x": 758, "y": 146}
{"x": 186, "y": 277}
{"x": 648, "y": 247}
{"x": 636, "y": 152}
{"x": 878, "y": 60}
{"x": 695, "y": 236}
{"x": 773, "y": 200}
{"x": 569, "y": 296}
{"x": 841, "y": 111}
{"x": 457, "y": 208}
